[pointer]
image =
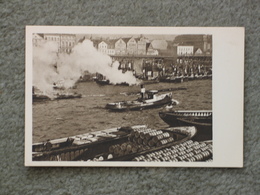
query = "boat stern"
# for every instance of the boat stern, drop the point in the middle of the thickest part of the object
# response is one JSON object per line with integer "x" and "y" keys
{"x": 115, "y": 106}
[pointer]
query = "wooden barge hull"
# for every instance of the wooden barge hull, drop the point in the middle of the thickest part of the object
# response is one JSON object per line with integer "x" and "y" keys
{"x": 127, "y": 143}
{"x": 71, "y": 148}
{"x": 172, "y": 117}
{"x": 202, "y": 120}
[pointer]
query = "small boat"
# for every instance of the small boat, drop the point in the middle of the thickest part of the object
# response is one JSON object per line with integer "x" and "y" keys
{"x": 132, "y": 143}
{"x": 67, "y": 96}
{"x": 172, "y": 79}
{"x": 123, "y": 84}
{"x": 179, "y": 79}
{"x": 40, "y": 97}
{"x": 57, "y": 96}
{"x": 149, "y": 81}
{"x": 153, "y": 100}
{"x": 101, "y": 79}
{"x": 103, "y": 82}
{"x": 107, "y": 82}
{"x": 202, "y": 120}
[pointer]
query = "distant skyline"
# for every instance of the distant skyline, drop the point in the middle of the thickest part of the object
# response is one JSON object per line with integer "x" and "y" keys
{"x": 115, "y": 36}
{"x": 151, "y": 37}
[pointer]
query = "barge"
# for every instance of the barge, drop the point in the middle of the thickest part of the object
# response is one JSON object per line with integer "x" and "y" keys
{"x": 134, "y": 143}
{"x": 201, "y": 119}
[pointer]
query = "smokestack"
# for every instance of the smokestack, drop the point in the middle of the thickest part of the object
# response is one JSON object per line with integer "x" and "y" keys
{"x": 142, "y": 91}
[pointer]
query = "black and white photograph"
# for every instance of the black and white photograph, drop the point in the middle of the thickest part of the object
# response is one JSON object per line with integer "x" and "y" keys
{"x": 124, "y": 96}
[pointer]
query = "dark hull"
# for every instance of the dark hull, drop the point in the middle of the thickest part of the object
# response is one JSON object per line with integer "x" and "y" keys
{"x": 172, "y": 80}
{"x": 204, "y": 129}
{"x": 123, "y": 84}
{"x": 69, "y": 149}
{"x": 75, "y": 147}
{"x": 39, "y": 98}
{"x": 201, "y": 120}
{"x": 69, "y": 96}
{"x": 103, "y": 82}
{"x": 147, "y": 82}
{"x": 137, "y": 106}
{"x": 107, "y": 82}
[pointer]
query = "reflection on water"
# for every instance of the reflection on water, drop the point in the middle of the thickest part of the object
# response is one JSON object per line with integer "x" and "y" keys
{"x": 64, "y": 118}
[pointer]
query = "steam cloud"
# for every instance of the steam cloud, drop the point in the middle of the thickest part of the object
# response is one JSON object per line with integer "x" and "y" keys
{"x": 44, "y": 60}
{"x": 49, "y": 68}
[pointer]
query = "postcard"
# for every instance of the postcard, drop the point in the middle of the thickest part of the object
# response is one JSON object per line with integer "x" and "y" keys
{"x": 134, "y": 96}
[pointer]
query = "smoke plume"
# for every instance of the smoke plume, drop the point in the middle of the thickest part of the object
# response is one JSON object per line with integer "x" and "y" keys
{"x": 44, "y": 61}
{"x": 50, "y": 67}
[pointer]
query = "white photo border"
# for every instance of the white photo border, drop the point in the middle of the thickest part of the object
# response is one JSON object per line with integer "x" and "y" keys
{"x": 227, "y": 93}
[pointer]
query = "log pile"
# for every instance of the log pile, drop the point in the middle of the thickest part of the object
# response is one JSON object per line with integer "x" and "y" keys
{"x": 188, "y": 151}
{"x": 141, "y": 139}
{"x": 150, "y": 137}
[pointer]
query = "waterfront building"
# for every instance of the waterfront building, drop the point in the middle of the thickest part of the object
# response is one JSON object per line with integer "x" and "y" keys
{"x": 204, "y": 42}
{"x": 141, "y": 46}
{"x": 95, "y": 43}
{"x": 198, "y": 52}
{"x": 65, "y": 41}
{"x": 185, "y": 50}
{"x": 111, "y": 47}
{"x": 37, "y": 39}
{"x": 103, "y": 47}
{"x": 131, "y": 47}
{"x": 53, "y": 38}
{"x": 120, "y": 47}
{"x": 151, "y": 51}
{"x": 207, "y": 44}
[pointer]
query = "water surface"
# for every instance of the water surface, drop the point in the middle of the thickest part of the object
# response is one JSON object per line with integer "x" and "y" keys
{"x": 68, "y": 117}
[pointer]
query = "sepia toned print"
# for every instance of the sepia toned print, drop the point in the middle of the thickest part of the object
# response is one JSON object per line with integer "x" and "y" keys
{"x": 80, "y": 80}
{"x": 109, "y": 98}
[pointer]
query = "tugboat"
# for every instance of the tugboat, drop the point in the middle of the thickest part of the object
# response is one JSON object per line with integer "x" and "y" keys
{"x": 201, "y": 119}
{"x": 149, "y": 99}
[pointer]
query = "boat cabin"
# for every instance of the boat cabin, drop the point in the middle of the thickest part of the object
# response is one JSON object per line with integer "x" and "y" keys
{"x": 150, "y": 94}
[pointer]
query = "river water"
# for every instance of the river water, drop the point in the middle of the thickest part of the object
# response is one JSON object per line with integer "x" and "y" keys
{"x": 68, "y": 117}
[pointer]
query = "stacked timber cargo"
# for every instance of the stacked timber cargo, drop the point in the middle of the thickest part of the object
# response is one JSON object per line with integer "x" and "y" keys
{"x": 150, "y": 137}
{"x": 188, "y": 151}
{"x": 139, "y": 140}
{"x": 155, "y": 146}
{"x": 150, "y": 145}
